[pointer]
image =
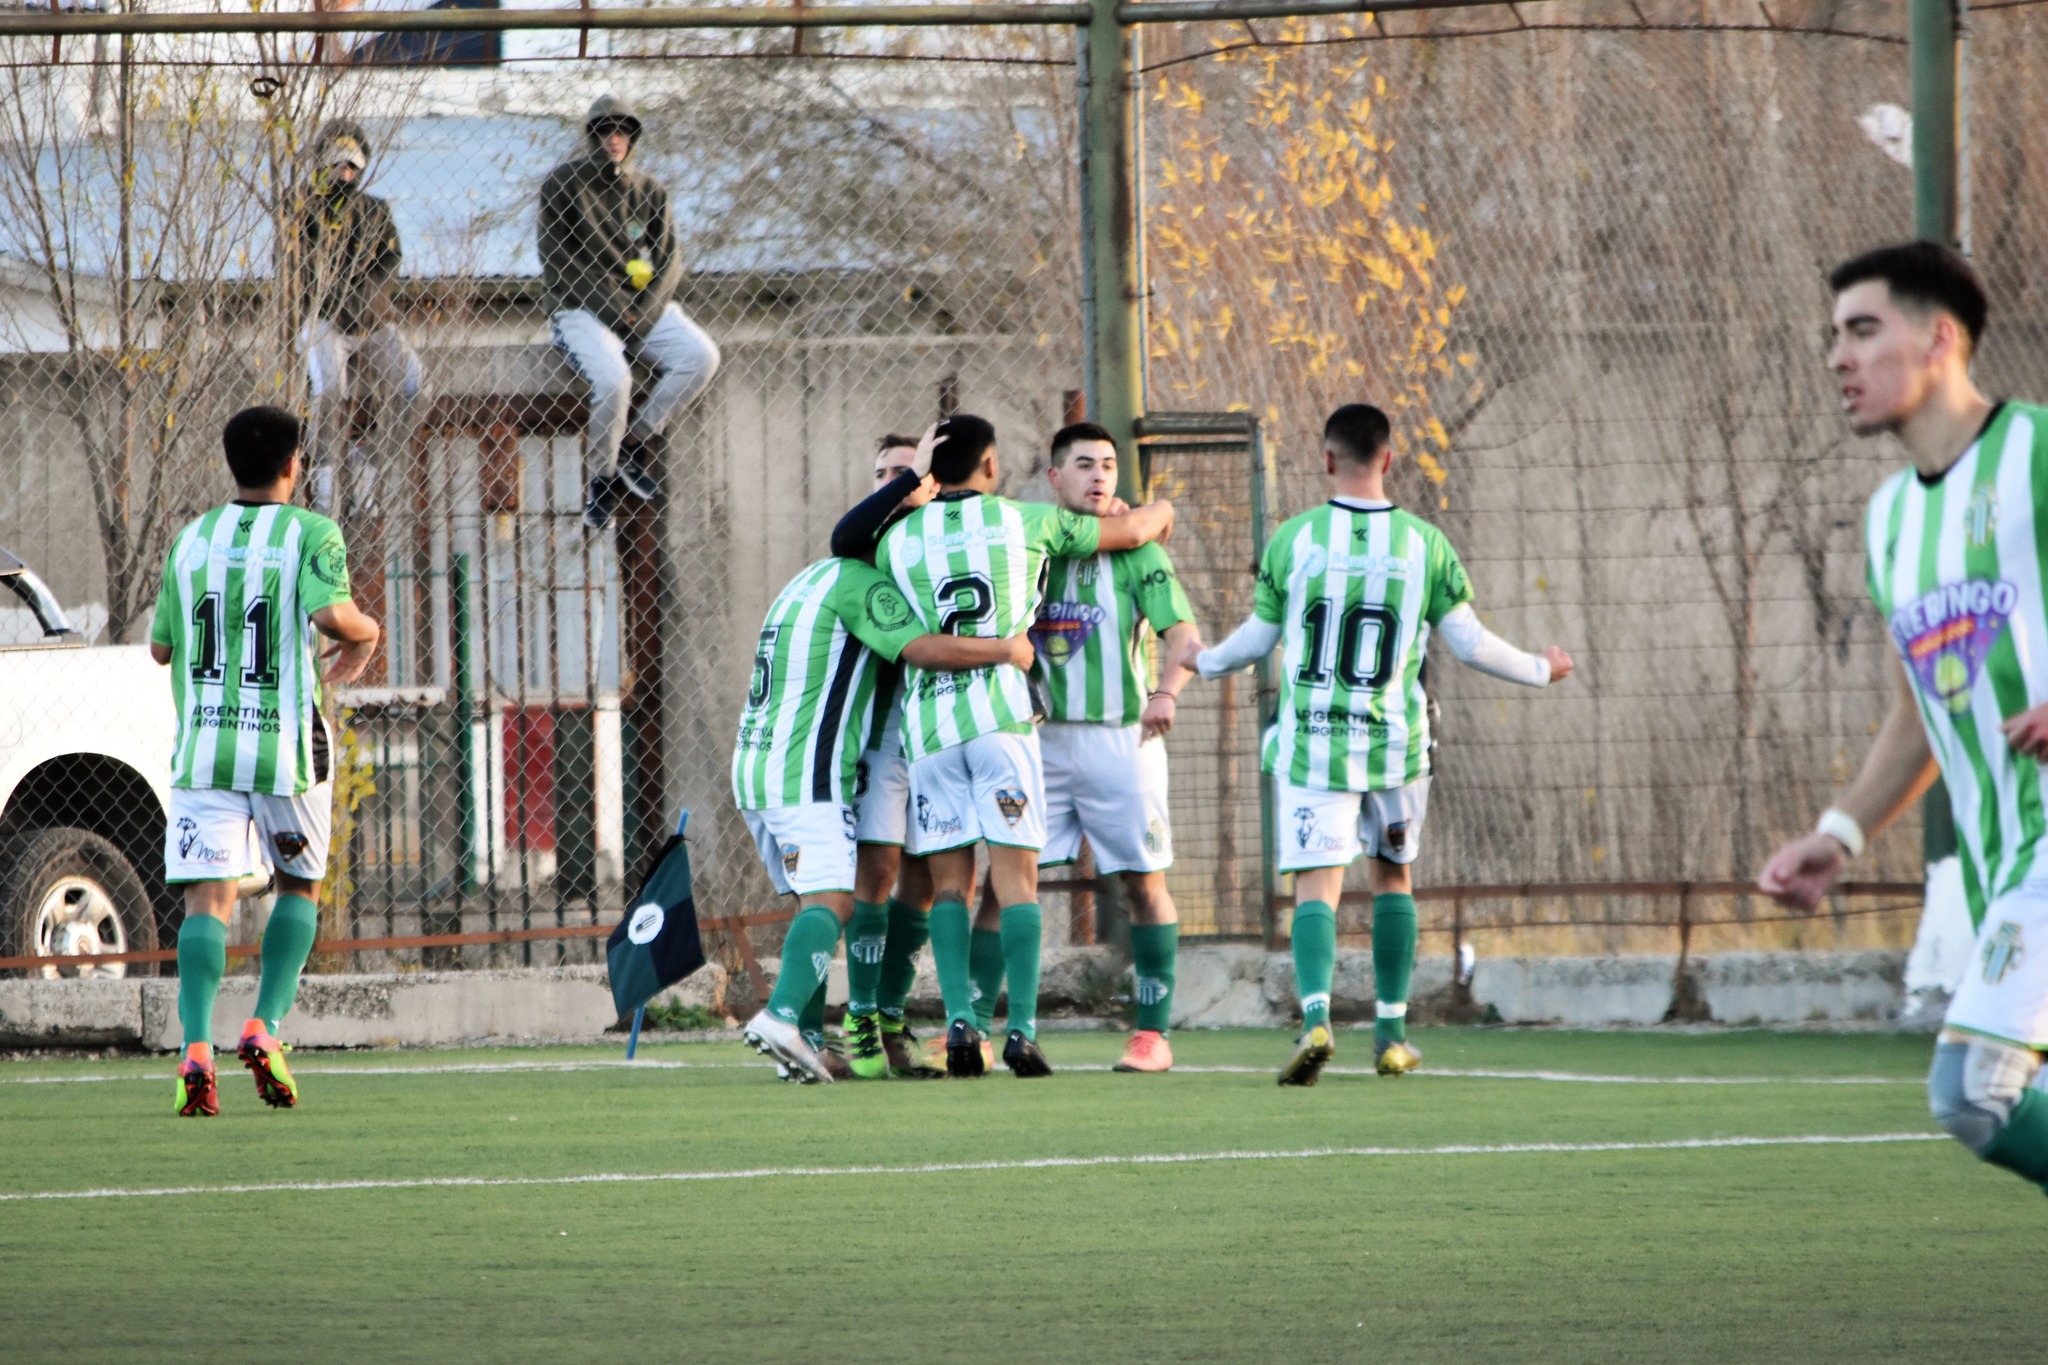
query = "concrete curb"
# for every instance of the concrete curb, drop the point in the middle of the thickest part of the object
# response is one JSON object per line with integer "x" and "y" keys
{"x": 1217, "y": 987}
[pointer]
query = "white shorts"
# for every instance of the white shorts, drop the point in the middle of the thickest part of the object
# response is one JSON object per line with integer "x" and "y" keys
{"x": 1331, "y": 829}
{"x": 881, "y": 798}
{"x": 806, "y": 849}
{"x": 2004, "y": 991}
{"x": 1100, "y": 781}
{"x": 215, "y": 836}
{"x": 991, "y": 788}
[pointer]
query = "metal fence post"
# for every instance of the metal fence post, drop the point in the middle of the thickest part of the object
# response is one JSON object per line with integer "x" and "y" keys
{"x": 1109, "y": 239}
{"x": 1932, "y": 28}
{"x": 462, "y": 622}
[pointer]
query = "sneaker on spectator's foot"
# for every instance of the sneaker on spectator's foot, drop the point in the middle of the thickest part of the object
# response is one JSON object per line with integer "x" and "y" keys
{"x": 636, "y": 468}
{"x": 602, "y": 501}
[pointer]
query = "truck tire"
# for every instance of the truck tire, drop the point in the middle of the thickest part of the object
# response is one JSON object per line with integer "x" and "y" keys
{"x": 66, "y": 891}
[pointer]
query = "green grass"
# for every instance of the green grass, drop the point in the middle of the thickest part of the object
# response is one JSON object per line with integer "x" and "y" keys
{"x": 1899, "y": 1251}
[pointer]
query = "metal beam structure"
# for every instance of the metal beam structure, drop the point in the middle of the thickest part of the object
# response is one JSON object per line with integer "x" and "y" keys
{"x": 1110, "y": 240}
{"x": 1931, "y": 29}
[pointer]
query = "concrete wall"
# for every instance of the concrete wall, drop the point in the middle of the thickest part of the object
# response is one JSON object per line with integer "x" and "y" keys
{"x": 1219, "y": 987}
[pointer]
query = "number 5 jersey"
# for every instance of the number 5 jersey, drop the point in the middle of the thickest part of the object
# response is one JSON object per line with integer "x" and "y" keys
{"x": 239, "y": 586}
{"x": 1355, "y": 590}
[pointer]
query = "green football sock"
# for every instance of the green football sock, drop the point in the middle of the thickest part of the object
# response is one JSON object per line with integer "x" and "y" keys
{"x": 1153, "y": 950}
{"x": 1393, "y": 963}
{"x": 202, "y": 961}
{"x": 806, "y": 958}
{"x": 1023, "y": 929}
{"x": 287, "y": 941}
{"x": 985, "y": 965}
{"x": 909, "y": 930}
{"x": 1315, "y": 960}
{"x": 867, "y": 938}
{"x": 952, "y": 928}
{"x": 2022, "y": 1145}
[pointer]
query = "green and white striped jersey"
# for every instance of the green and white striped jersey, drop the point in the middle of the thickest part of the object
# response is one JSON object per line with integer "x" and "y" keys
{"x": 974, "y": 564}
{"x": 1956, "y": 567}
{"x": 1355, "y": 589}
{"x": 811, "y": 702}
{"x": 238, "y": 587}
{"x": 1094, "y": 631}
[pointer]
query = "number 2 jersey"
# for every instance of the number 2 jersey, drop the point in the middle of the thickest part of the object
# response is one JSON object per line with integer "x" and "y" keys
{"x": 239, "y": 586}
{"x": 975, "y": 564}
{"x": 1956, "y": 569}
{"x": 1355, "y": 589}
{"x": 812, "y": 699}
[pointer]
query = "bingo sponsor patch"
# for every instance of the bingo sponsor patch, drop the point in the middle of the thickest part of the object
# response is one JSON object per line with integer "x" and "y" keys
{"x": 1945, "y": 635}
{"x": 1063, "y": 628}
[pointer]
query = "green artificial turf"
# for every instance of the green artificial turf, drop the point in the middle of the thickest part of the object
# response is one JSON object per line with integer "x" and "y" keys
{"x": 1907, "y": 1250}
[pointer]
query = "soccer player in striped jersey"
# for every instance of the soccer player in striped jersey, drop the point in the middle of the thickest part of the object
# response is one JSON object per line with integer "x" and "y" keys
{"x": 247, "y": 590}
{"x": 1351, "y": 591}
{"x": 809, "y": 709}
{"x": 1955, "y": 543}
{"x": 1103, "y": 738}
{"x": 974, "y": 564}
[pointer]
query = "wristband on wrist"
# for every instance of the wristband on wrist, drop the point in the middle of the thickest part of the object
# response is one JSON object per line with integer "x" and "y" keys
{"x": 1162, "y": 692}
{"x": 1841, "y": 826}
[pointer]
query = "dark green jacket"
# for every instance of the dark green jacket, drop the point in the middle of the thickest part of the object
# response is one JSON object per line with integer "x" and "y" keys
{"x": 595, "y": 217}
{"x": 348, "y": 255}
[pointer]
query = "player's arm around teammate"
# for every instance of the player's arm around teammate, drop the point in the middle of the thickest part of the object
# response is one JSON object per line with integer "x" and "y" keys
{"x": 1105, "y": 761}
{"x": 1353, "y": 590}
{"x": 1953, "y": 545}
{"x": 240, "y": 586}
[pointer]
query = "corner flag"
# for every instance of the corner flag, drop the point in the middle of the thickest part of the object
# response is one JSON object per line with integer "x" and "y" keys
{"x": 657, "y": 945}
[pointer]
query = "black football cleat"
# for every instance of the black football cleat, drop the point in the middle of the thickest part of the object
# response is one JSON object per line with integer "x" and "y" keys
{"x": 1022, "y": 1056}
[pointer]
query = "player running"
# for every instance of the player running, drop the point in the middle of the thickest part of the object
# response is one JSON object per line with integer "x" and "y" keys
{"x": 806, "y": 722}
{"x": 240, "y": 586}
{"x": 1956, "y": 571}
{"x": 1105, "y": 758}
{"x": 973, "y": 564}
{"x": 1351, "y": 591}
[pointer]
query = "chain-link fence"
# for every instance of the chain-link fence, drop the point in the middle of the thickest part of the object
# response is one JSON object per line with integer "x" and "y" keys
{"x": 1580, "y": 263}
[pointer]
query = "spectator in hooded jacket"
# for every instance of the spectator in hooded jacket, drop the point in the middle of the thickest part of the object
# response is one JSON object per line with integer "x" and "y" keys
{"x": 608, "y": 259}
{"x": 348, "y": 256}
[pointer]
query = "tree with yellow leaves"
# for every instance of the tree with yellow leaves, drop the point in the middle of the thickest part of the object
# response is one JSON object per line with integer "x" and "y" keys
{"x": 1288, "y": 275}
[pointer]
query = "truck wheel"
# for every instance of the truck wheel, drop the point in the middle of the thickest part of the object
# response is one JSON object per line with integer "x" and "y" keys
{"x": 68, "y": 892}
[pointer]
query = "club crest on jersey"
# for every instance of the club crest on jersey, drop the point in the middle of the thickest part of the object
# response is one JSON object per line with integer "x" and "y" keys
{"x": 2003, "y": 953}
{"x": 1945, "y": 635}
{"x": 1064, "y": 628}
{"x": 1980, "y": 517}
{"x": 1011, "y": 803}
{"x": 791, "y": 856}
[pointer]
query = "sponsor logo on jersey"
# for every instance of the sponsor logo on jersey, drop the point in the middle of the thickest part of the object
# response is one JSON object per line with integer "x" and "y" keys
{"x": 266, "y": 720}
{"x": 1945, "y": 635}
{"x": 1980, "y": 517}
{"x": 645, "y": 923}
{"x": 2003, "y": 953}
{"x": 791, "y": 856}
{"x": 193, "y": 849}
{"x": 1063, "y": 629}
{"x": 1315, "y": 561}
{"x": 290, "y": 844}
{"x": 931, "y": 824}
{"x": 1011, "y": 803}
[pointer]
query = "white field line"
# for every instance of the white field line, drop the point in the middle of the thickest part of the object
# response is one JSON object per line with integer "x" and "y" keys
{"x": 957, "y": 1167}
{"x": 493, "y": 1068}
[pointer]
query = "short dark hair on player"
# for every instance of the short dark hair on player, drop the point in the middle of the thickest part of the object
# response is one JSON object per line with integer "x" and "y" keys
{"x": 963, "y": 440}
{"x": 1359, "y": 431}
{"x": 1067, "y": 437}
{"x": 259, "y": 443}
{"x": 1924, "y": 273}
{"x": 895, "y": 440}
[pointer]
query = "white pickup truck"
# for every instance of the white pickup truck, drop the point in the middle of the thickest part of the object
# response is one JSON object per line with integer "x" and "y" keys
{"x": 85, "y": 763}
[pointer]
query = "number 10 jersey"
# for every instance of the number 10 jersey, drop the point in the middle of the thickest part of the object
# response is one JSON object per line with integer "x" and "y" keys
{"x": 975, "y": 564}
{"x": 1355, "y": 589}
{"x": 238, "y": 587}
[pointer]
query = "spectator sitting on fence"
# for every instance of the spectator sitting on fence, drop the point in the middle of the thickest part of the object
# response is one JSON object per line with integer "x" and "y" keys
{"x": 348, "y": 255}
{"x": 608, "y": 259}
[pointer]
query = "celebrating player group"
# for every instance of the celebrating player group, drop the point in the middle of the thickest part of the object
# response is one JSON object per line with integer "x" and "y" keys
{"x": 965, "y": 671}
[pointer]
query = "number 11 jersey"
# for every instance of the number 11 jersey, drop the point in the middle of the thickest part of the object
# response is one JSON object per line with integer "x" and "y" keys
{"x": 1355, "y": 589}
{"x": 238, "y": 587}
{"x": 975, "y": 564}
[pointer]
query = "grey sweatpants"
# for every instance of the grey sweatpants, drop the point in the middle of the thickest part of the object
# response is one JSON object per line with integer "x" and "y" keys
{"x": 683, "y": 355}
